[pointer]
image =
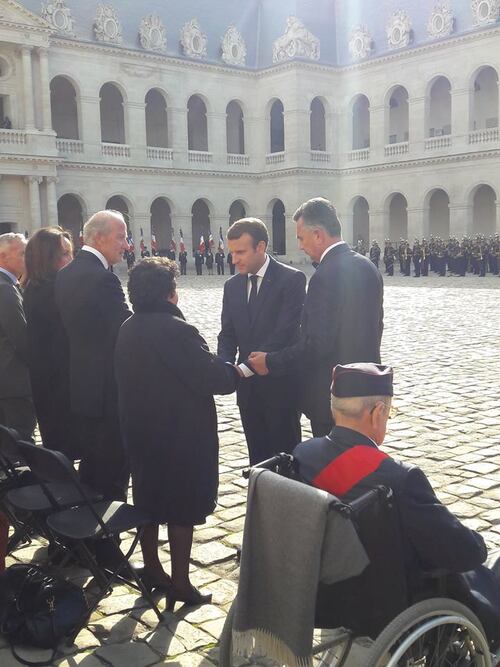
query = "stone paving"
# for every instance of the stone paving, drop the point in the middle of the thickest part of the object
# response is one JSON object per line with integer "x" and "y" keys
{"x": 442, "y": 335}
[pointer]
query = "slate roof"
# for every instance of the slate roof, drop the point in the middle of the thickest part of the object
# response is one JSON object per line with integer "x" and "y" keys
{"x": 261, "y": 22}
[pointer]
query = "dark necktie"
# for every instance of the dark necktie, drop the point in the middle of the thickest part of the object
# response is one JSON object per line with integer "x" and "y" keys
{"x": 252, "y": 300}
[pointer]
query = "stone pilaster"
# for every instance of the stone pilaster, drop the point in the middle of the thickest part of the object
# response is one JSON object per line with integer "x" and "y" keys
{"x": 51, "y": 200}
{"x": 45, "y": 90}
{"x": 34, "y": 199}
{"x": 28, "y": 103}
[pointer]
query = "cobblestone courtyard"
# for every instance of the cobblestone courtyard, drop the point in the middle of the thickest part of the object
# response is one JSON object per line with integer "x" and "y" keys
{"x": 442, "y": 335}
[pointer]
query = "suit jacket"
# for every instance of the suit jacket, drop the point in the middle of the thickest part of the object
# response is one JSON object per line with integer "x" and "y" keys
{"x": 14, "y": 376}
{"x": 342, "y": 323}
{"x": 93, "y": 307}
{"x": 276, "y": 324}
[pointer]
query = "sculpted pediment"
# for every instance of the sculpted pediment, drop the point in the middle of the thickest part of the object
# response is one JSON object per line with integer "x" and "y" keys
{"x": 13, "y": 12}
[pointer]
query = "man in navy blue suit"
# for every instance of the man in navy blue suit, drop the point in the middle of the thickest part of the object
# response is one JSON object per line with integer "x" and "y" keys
{"x": 261, "y": 311}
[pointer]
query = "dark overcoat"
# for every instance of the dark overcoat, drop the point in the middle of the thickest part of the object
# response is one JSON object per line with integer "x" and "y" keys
{"x": 166, "y": 381}
{"x": 48, "y": 360}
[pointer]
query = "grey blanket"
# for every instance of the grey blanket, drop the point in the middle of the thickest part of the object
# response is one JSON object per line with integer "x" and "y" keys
{"x": 290, "y": 543}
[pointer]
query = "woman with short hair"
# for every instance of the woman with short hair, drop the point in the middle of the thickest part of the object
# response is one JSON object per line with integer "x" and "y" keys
{"x": 166, "y": 381}
{"x": 47, "y": 251}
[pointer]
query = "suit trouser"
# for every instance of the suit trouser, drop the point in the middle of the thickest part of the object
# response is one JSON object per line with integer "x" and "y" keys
{"x": 321, "y": 427}
{"x": 19, "y": 413}
{"x": 269, "y": 429}
{"x": 103, "y": 466}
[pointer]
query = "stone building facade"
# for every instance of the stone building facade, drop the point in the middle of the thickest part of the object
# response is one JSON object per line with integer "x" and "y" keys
{"x": 191, "y": 119}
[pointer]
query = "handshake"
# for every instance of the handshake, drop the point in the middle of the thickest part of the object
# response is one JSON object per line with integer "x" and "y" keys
{"x": 256, "y": 362}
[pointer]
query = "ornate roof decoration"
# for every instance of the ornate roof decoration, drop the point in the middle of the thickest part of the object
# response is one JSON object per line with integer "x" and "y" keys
{"x": 485, "y": 12}
{"x": 234, "y": 50}
{"x": 360, "y": 43}
{"x": 152, "y": 34}
{"x": 296, "y": 42}
{"x": 399, "y": 32}
{"x": 107, "y": 27}
{"x": 193, "y": 41}
{"x": 58, "y": 15}
{"x": 441, "y": 21}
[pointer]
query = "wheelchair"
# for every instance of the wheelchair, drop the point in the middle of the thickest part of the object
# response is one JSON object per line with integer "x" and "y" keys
{"x": 376, "y": 619}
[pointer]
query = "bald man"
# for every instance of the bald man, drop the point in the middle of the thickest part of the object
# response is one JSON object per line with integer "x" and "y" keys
{"x": 92, "y": 304}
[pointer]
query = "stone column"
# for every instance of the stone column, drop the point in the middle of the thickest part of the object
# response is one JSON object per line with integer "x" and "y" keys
{"x": 90, "y": 132}
{"x": 217, "y": 141}
{"x": 179, "y": 135}
{"x": 416, "y": 224}
{"x": 379, "y": 227}
{"x": 416, "y": 125}
{"x": 45, "y": 90}
{"x": 136, "y": 132}
{"x": 498, "y": 217}
{"x": 460, "y": 117}
{"x": 34, "y": 198}
{"x": 297, "y": 136}
{"x": 52, "y": 218}
{"x": 29, "y": 109}
{"x": 256, "y": 141}
{"x": 378, "y": 133}
{"x": 460, "y": 219}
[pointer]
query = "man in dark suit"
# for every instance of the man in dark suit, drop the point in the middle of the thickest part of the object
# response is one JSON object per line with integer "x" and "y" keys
{"x": 16, "y": 405}
{"x": 93, "y": 307}
{"x": 261, "y": 310}
{"x": 342, "y": 320}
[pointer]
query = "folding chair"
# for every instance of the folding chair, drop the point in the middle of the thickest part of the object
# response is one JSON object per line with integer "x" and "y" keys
{"x": 89, "y": 520}
{"x": 28, "y": 499}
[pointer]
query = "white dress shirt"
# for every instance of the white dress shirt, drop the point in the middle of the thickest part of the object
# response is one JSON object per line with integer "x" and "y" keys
{"x": 98, "y": 254}
{"x": 260, "y": 275}
{"x": 334, "y": 245}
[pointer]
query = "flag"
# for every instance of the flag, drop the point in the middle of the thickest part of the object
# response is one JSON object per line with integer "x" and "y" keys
{"x": 201, "y": 247}
{"x": 154, "y": 245}
{"x": 80, "y": 237}
{"x": 130, "y": 242}
{"x": 221, "y": 239}
{"x": 142, "y": 244}
{"x": 210, "y": 241}
{"x": 181, "y": 241}
{"x": 173, "y": 245}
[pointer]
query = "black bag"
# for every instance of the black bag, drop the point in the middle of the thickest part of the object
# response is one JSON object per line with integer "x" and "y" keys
{"x": 37, "y": 609}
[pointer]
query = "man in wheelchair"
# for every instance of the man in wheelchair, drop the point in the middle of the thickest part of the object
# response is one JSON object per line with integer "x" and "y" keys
{"x": 348, "y": 462}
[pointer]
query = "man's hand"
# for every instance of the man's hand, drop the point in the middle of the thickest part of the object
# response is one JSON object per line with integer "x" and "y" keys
{"x": 258, "y": 361}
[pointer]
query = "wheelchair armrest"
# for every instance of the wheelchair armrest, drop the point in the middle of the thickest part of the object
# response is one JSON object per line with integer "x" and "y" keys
{"x": 274, "y": 464}
{"x": 370, "y": 497}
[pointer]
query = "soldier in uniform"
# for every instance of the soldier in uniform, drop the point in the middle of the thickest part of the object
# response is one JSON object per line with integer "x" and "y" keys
{"x": 389, "y": 255}
{"x": 424, "y": 262}
{"x": 232, "y": 268}
{"x": 375, "y": 253}
{"x": 219, "y": 261}
{"x": 406, "y": 259}
{"x": 417, "y": 258}
{"x": 360, "y": 247}
{"x": 209, "y": 261}
{"x": 198, "y": 262}
{"x": 183, "y": 259}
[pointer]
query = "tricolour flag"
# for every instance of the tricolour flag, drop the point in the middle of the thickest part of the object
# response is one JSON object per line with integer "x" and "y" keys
{"x": 154, "y": 244}
{"x": 182, "y": 245}
{"x": 221, "y": 239}
{"x": 202, "y": 246}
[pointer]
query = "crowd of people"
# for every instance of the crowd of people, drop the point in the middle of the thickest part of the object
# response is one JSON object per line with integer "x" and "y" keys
{"x": 131, "y": 392}
{"x": 205, "y": 257}
{"x": 478, "y": 255}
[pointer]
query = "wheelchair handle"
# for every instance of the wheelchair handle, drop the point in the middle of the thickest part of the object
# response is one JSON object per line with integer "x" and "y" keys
{"x": 378, "y": 492}
{"x": 270, "y": 464}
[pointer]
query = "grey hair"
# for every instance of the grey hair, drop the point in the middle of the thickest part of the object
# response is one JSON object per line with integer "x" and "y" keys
{"x": 354, "y": 407}
{"x": 8, "y": 239}
{"x": 99, "y": 224}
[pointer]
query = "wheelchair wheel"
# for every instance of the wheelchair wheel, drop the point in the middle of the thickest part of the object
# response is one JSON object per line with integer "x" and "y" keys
{"x": 226, "y": 640}
{"x": 433, "y": 633}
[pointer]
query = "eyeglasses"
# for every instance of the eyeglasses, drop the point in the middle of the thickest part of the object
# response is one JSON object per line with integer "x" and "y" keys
{"x": 393, "y": 410}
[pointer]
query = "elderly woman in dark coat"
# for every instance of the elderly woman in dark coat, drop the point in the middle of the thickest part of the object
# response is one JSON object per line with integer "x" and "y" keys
{"x": 166, "y": 381}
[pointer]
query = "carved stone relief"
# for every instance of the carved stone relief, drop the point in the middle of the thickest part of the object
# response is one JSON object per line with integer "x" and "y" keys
{"x": 193, "y": 41}
{"x": 234, "y": 50}
{"x": 152, "y": 34}
{"x": 485, "y": 12}
{"x": 58, "y": 15}
{"x": 441, "y": 22}
{"x": 296, "y": 42}
{"x": 107, "y": 27}
{"x": 360, "y": 43}
{"x": 399, "y": 32}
